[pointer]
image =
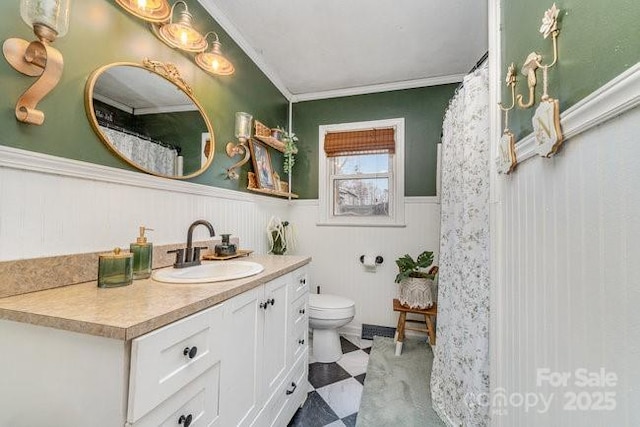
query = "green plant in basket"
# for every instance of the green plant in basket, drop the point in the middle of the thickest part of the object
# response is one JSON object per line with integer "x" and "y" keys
{"x": 290, "y": 148}
{"x": 408, "y": 267}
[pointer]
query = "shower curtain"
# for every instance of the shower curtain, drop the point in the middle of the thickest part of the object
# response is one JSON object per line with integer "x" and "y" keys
{"x": 460, "y": 375}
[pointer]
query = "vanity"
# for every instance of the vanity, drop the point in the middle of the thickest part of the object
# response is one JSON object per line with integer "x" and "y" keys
{"x": 159, "y": 354}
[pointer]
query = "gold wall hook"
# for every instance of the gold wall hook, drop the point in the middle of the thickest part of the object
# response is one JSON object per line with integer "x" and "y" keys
{"x": 529, "y": 69}
{"x": 548, "y": 28}
{"x": 510, "y": 82}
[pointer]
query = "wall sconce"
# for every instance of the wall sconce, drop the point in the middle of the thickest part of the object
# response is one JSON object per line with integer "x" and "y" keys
{"x": 180, "y": 34}
{"x": 148, "y": 10}
{"x": 49, "y": 20}
{"x": 242, "y": 133}
{"x": 213, "y": 61}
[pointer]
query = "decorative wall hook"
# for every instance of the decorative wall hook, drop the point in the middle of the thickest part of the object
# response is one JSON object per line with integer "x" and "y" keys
{"x": 506, "y": 160}
{"x": 529, "y": 69}
{"x": 546, "y": 120}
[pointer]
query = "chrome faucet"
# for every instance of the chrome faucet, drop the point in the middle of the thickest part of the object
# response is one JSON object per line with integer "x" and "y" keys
{"x": 191, "y": 254}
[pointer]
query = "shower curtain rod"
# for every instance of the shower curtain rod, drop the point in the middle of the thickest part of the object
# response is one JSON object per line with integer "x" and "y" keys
{"x": 480, "y": 62}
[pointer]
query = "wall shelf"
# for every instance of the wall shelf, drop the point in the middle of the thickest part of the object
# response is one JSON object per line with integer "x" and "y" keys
{"x": 273, "y": 192}
{"x": 271, "y": 142}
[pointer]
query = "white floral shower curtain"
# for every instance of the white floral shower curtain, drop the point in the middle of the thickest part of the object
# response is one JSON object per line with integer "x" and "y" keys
{"x": 460, "y": 376}
{"x": 149, "y": 155}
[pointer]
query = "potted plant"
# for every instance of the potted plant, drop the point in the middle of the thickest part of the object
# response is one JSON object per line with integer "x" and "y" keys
{"x": 280, "y": 234}
{"x": 416, "y": 285}
{"x": 289, "y": 139}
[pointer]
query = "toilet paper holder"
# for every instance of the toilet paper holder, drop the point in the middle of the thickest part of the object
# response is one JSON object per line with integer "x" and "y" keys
{"x": 379, "y": 259}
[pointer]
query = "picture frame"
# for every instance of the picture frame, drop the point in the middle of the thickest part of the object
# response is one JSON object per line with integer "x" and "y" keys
{"x": 261, "y": 160}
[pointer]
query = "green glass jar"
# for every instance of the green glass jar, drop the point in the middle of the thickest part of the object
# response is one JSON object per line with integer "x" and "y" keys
{"x": 115, "y": 269}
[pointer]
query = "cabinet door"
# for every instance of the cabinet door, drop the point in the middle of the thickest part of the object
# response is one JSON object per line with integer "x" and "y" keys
{"x": 274, "y": 366}
{"x": 240, "y": 395}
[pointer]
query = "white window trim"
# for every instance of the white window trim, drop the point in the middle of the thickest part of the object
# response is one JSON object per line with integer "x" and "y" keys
{"x": 396, "y": 204}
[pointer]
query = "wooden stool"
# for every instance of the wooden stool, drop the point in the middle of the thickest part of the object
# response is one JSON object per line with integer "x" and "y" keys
{"x": 402, "y": 320}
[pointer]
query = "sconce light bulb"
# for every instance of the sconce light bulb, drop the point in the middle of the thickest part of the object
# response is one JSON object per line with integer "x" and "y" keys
{"x": 142, "y": 4}
{"x": 215, "y": 64}
{"x": 184, "y": 37}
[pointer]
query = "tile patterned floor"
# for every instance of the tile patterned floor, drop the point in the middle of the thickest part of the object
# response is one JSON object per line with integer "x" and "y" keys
{"x": 335, "y": 388}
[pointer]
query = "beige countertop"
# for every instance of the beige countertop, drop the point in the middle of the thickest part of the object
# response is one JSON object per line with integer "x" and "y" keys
{"x": 127, "y": 312}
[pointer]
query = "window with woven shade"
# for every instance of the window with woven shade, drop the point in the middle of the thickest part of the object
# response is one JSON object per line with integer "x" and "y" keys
{"x": 360, "y": 142}
{"x": 360, "y": 172}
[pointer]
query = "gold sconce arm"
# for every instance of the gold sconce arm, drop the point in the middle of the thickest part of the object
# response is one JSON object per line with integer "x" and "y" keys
{"x": 233, "y": 150}
{"x": 33, "y": 59}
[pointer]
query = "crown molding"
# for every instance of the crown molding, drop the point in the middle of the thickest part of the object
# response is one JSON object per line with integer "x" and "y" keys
{"x": 233, "y": 32}
{"x": 383, "y": 87}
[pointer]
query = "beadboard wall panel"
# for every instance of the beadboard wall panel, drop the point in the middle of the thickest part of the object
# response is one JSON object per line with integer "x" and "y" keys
{"x": 570, "y": 296}
{"x": 59, "y": 212}
{"x": 336, "y": 266}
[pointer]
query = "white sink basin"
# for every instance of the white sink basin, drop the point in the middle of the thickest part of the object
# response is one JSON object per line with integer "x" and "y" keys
{"x": 216, "y": 271}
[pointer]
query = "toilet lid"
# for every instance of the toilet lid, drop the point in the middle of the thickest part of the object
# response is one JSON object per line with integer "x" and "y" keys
{"x": 329, "y": 302}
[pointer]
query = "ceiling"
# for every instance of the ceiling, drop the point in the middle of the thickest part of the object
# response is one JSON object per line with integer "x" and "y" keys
{"x": 323, "y": 48}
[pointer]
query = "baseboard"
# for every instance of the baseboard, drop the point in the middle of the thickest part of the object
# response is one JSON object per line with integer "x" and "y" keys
{"x": 356, "y": 330}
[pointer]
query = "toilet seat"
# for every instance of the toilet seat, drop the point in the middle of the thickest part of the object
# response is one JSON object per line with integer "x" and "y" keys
{"x": 326, "y": 306}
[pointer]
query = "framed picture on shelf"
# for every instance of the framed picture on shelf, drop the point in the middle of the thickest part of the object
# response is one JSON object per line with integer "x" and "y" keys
{"x": 262, "y": 165}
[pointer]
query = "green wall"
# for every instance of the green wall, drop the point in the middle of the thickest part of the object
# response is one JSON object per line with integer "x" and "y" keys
{"x": 100, "y": 32}
{"x": 598, "y": 40}
{"x": 423, "y": 110}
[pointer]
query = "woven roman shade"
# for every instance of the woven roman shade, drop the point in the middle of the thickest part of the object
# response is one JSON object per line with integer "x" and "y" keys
{"x": 360, "y": 141}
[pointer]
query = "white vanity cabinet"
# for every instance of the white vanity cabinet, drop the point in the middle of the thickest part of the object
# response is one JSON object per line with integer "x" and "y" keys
{"x": 241, "y": 362}
{"x": 259, "y": 368}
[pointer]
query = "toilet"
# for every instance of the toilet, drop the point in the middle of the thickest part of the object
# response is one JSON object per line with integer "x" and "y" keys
{"x": 327, "y": 313}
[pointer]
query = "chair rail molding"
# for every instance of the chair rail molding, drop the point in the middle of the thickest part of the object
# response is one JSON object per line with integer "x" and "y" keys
{"x": 16, "y": 158}
{"x": 617, "y": 96}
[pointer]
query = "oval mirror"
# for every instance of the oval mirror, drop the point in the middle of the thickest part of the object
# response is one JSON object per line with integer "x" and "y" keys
{"x": 148, "y": 116}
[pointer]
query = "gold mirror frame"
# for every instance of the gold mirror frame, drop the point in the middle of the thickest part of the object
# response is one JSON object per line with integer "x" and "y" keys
{"x": 169, "y": 73}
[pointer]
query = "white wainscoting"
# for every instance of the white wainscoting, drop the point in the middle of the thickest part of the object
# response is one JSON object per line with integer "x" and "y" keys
{"x": 336, "y": 251}
{"x": 53, "y": 206}
{"x": 570, "y": 296}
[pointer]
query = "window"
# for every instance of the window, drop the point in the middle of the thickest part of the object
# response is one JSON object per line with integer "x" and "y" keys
{"x": 361, "y": 173}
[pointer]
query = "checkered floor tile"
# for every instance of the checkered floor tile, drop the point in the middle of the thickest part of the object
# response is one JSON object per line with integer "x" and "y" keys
{"x": 335, "y": 388}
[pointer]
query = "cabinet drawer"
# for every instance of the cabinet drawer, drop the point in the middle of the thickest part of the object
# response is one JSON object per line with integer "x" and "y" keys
{"x": 290, "y": 395}
{"x": 299, "y": 283}
{"x": 197, "y": 402}
{"x": 299, "y": 313}
{"x": 165, "y": 360}
{"x": 298, "y": 343}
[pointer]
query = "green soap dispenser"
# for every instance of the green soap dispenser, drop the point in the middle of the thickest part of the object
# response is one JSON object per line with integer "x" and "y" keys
{"x": 142, "y": 255}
